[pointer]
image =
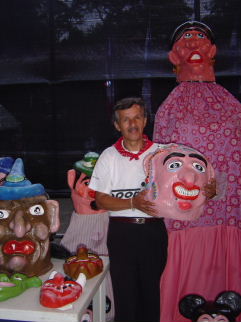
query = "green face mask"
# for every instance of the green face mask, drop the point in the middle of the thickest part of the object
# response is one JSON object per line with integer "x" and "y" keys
{"x": 16, "y": 285}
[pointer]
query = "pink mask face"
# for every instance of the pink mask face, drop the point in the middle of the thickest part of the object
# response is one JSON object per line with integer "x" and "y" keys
{"x": 81, "y": 194}
{"x": 209, "y": 318}
{"x": 175, "y": 177}
{"x": 82, "y": 188}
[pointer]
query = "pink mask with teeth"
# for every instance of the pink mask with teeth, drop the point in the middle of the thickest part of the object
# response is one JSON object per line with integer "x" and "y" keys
{"x": 176, "y": 175}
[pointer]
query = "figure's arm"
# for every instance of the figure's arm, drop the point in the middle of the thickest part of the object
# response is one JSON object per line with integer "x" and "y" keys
{"x": 105, "y": 201}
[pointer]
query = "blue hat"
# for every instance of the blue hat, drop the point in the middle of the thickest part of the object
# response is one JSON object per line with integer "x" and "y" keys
{"x": 16, "y": 186}
{"x": 6, "y": 164}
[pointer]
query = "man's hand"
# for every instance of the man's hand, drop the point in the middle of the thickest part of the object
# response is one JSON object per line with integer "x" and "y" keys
{"x": 209, "y": 190}
{"x": 139, "y": 202}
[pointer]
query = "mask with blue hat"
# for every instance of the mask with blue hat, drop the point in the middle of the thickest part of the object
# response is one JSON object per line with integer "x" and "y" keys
{"x": 27, "y": 219}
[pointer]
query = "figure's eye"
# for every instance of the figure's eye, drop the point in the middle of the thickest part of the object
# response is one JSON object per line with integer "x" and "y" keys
{"x": 4, "y": 214}
{"x": 198, "y": 167}
{"x": 86, "y": 183}
{"x": 175, "y": 165}
{"x": 201, "y": 35}
{"x": 187, "y": 35}
{"x": 18, "y": 277}
{"x": 36, "y": 210}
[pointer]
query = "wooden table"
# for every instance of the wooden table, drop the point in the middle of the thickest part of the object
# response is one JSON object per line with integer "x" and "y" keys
{"x": 26, "y": 307}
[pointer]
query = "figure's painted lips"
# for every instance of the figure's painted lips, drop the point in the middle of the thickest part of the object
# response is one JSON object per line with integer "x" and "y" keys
{"x": 25, "y": 247}
{"x": 91, "y": 194}
{"x": 6, "y": 284}
{"x": 195, "y": 57}
{"x": 185, "y": 193}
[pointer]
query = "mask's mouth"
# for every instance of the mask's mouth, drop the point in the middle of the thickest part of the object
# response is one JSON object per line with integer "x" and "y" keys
{"x": 195, "y": 57}
{"x": 15, "y": 247}
{"x": 181, "y": 191}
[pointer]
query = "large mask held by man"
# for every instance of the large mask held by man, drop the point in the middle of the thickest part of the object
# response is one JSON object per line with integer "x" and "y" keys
{"x": 176, "y": 175}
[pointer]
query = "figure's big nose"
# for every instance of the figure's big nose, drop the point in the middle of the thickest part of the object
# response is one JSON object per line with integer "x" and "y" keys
{"x": 188, "y": 177}
{"x": 193, "y": 44}
{"x": 19, "y": 224}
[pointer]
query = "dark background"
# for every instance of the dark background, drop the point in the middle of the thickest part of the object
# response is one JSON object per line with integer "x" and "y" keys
{"x": 63, "y": 64}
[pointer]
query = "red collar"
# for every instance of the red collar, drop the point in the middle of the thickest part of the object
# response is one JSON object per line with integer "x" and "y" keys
{"x": 119, "y": 147}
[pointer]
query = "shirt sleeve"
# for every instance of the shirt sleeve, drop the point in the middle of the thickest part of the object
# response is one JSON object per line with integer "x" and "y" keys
{"x": 101, "y": 178}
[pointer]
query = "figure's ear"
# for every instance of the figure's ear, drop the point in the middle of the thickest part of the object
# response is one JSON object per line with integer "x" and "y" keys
{"x": 53, "y": 214}
{"x": 189, "y": 303}
{"x": 213, "y": 51}
{"x": 71, "y": 178}
{"x": 173, "y": 58}
{"x": 231, "y": 299}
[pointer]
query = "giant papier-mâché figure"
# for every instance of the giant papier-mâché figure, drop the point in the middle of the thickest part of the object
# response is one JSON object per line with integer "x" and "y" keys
{"x": 88, "y": 225}
{"x": 204, "y": 254}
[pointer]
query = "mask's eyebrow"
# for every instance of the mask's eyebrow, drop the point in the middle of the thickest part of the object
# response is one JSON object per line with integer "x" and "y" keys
{"x": 171, "y": 155}
{"x": 198, "y": 156}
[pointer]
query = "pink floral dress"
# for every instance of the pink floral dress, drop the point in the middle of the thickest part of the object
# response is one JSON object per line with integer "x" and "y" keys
{"x": 204, "y": 256}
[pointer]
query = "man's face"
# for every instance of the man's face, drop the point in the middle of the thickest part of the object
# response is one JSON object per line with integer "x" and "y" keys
{"x": 131, "y": 123}
{"x": 25, "y": 226}
{"x": 179, "y": 177}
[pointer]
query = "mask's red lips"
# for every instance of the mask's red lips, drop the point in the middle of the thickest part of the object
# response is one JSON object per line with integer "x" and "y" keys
{"x": 181, "y": 191}
{"x": 25, "y": 247}
{"x": 195, "y": 57}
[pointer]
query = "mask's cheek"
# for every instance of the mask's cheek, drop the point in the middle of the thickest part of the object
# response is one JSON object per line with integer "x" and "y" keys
{"x": 41, "y": 231}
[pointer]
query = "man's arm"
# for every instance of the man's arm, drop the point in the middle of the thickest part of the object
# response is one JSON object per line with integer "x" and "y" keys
{"x": 107, "y": 202}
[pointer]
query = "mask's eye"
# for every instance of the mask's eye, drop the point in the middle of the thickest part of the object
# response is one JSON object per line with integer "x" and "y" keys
{"x": 174, "y": 166}
{"x": 4, "y": 214}
{"x": 198, "y": 167}
{"x": 36, "y": 210}
{"x": 18, "y": 277}
{"x": 201, "y": 35}
{"x": 86, "y": 183}
{"x": 187, "y": 35}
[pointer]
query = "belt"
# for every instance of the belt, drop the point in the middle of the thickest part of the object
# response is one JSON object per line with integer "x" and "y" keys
{"x": 136, "y": 220}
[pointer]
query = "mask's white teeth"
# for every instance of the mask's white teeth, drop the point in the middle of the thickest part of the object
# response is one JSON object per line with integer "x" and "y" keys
{"x": 195, "y": 57}
{"x": 187, "y": 193}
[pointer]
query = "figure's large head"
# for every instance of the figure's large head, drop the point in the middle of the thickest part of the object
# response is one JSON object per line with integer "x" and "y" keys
{"x": 78, "y": 180}
{"x": 27, "y": 219}
{"x": 176, "y": 175}
{"x": 193, "y": 51}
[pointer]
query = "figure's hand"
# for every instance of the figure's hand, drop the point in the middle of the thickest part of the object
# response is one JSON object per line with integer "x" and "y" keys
{"x": 139, "y": 202}
{"x": 209, "y": 190}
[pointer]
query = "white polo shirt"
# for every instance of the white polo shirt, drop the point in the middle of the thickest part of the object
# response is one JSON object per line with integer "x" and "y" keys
{"x": 120, "y": 177}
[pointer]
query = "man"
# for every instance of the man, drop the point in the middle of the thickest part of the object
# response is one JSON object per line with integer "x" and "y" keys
{"x": 137, "y": 240}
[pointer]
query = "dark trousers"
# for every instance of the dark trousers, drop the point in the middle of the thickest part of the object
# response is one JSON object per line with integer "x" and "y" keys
{"x": 138, "y": 254}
